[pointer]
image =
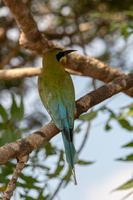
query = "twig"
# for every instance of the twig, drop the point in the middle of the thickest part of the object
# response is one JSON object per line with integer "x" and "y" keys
{"x": 12, "y": 183}
{"x": 57, "y": 190}
{"x": 85, "y": 137}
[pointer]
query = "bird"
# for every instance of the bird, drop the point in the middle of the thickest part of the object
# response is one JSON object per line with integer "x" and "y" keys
{"x": 57, "y": 94}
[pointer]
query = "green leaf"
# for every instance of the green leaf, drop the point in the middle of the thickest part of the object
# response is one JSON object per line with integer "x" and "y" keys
{"x": 124, "y": 115}
{"x": 124, "y": 30}
{"x": 125, "y": 124}
{"x": 9, "y": 135}
{"x": 127, "y": 158}
{"x": 3, "y": 126}
{"x": 57, "y": 171}
{"x": 130, "y": 113}
{"x": 78, "y": 128}
{"x": 6, "y": 169}
{"x": 82, "y": 162}
{"x": 3, "y": 113}
{"x": 89, "y": 116}
{"x": 49, "y": 149}
{"x": 21, "y": 110}
{"x": 17, "y": 112}
{"x": 14, "y": 110}
{"x": 28, "y": 179}
{"x": 59, "y": 166}
{"x": 129, "y": 144}
{"x": 41, "y": 196}
{"x": 127, "y": 185}
{"x": 28, "y": 185}
{"x": 27, "y": 197}
{"x": 107, "y": 127}
{"x": 29, "y": 182}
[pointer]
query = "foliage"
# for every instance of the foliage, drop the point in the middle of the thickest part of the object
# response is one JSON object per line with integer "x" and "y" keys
{"x": 11, "y": 130}
{"x": 79, "y": 24}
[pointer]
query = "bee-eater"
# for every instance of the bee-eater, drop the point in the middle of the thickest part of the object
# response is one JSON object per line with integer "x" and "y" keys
{"x": 57, "y": 94}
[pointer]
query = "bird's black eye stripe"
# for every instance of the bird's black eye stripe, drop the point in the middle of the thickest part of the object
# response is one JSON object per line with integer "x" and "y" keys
{"x": 60, "y": 55}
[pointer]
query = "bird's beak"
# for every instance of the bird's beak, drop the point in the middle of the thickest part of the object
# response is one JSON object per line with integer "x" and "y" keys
{"x": 68, "y": 51}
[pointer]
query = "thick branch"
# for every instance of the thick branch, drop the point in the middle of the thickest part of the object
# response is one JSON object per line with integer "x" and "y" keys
{"x": 26, "y": 145}
{"x": 32, "y": 39}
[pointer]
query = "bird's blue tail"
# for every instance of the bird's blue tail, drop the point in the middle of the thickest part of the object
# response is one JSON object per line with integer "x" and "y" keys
{"x": 71, "y": 154}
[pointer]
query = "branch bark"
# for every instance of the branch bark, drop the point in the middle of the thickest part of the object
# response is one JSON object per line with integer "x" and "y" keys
{"x": 30, "y": 37}
{"x": 7, "y": 74}
{"x": 12, "y": 183}
{"x": 26, "y": 145}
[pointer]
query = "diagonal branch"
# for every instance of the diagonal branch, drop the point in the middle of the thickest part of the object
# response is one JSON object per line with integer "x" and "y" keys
{"x": 12, "y": 183}
{"x": 26, "y": 145}
{"x": 30, "y": 37}
{"x": 33, "y": 40}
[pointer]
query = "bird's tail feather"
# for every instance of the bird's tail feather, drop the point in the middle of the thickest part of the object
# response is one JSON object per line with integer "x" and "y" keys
{"x": 71, "y": 155}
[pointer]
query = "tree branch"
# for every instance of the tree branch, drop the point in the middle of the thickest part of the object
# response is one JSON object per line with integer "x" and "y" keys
{"x": 106, "y": 91}
{"x": 26, "y": 145}
{"x": 87, "y": 131}
{"x": 30, "y": 37}
{"x": 33, "y": 40}
{"x": 7, "y": 74}
{"x": 12, "y": 183}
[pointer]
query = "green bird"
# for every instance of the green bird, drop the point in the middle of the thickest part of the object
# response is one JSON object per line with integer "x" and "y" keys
{"x": 57, "y": 94}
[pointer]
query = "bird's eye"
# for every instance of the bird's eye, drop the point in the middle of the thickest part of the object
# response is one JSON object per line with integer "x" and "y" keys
{"x": 60, "y": 55}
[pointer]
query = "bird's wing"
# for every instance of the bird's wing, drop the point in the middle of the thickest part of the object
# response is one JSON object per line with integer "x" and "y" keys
{"x": 67, "y": 97}
{"x": 60, "y": 104}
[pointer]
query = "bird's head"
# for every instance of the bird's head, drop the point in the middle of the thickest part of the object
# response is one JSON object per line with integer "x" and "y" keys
{"x": 57, "y": 54}
{"x": 61, "y": 55}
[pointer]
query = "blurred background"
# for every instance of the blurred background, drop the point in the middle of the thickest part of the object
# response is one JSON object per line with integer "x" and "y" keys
{"x": 103, "y": 136}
